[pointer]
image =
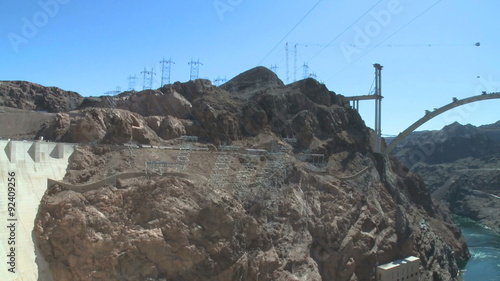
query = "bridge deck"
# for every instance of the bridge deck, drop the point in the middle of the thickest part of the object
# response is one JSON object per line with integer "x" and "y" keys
{"x": 365, "y": 97}
{"x": 429, "y": 115}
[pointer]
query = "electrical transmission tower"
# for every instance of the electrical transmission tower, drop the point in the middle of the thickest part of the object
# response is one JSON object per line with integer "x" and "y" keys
{"x": 295, "y": 63}
{"x": 195, "y": 69}
{"x": 244, "y": 185}
{"x": 148, "y": 79}
{"x": 131, "y": 82}
{"x": 115, "y": 92}
{"x": 220, "y": 172}
{"x": 219, "y": 81}
{"x": 287, "y": 64}
{"x": 185, "y": 150}
{"x": 166, "y": 67}
{"x": 274, "y": 68}
{"x": 305, "y": 71}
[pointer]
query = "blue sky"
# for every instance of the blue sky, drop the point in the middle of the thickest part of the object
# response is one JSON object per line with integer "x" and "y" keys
{"x": 426, "y": 47}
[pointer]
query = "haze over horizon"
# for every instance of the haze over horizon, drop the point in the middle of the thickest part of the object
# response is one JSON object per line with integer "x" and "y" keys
{"x": 428, "y": 48}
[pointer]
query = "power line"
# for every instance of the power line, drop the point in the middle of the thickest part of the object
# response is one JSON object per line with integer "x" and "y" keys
{"x": 284, "y": 37}
{"x": 371, "y": 87}
{"x": 345, "y": 30}
{"x": 405, "y": 45}
{"x": 394, "y": 33}
{"x": 340, "y": 34}
{"x": 427, "y": 45}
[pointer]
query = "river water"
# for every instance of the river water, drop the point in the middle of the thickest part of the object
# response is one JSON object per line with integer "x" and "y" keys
{"x": 484, "y": 246}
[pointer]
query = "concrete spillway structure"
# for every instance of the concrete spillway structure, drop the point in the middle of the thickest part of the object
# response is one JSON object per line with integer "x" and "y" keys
{"x": 28, "y": 165}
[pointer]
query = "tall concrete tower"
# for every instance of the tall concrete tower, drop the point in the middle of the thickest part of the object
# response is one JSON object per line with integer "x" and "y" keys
{"x": 378, "y": 107}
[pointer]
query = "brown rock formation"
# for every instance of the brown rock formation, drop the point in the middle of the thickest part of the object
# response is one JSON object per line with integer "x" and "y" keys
{"x": 253, "y": 82}
{"x": 310, "y": 226}
{"x": 31, "y": 96}
{"x": 255, "y": 102}
{"x": 111, "y": 126}
{"x": 167, "y": 127}
{"x": 150, "y": 103}
{"x": 22, "y": 124}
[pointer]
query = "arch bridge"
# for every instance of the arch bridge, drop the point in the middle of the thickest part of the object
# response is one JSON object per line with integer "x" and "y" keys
{"x": 431, "y": 114}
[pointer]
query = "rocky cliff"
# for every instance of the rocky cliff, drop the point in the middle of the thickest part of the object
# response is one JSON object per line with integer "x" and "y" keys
{"x": 310, "y": 225}
{"x": 453, "y": 142}
{"x": 276, "y": 216}
{"x": 99, "y": 125}
{"x": 461, "y": 166}
{"x": 305, "y": 110}
{"x": 31, "y": 96}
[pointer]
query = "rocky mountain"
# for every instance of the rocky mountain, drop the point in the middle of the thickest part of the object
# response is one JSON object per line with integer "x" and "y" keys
{"x": 252, "y": 82}
{"x": 22, "y": 124}
{"x": 492, "y": 130}
{"x": 307, "y": 225}
{"x": 461, "y": 166}
{"x": 107, "y": 126}
{"x": 453, "y": 142}
{"x": 274, "y": 216}
{"x": 304, "y": 110}
{"x": 31, "y": 96}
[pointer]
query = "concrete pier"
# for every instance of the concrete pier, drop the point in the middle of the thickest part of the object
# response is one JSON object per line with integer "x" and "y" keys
{"x": 28, "y": 165}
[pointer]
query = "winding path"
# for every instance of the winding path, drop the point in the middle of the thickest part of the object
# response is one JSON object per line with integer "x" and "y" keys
{"x": 354, "y": 176}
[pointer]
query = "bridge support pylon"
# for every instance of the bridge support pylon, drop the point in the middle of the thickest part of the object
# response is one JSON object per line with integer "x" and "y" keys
{"x": 377, "y": 96}
{"x": 378, "y": 108}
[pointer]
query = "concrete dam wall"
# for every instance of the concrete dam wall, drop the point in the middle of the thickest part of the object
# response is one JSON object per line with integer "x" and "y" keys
{"x": 25, "y": 168}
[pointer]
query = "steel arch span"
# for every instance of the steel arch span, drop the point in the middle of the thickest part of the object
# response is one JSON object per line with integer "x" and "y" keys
{"x": 429, "y": 115}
